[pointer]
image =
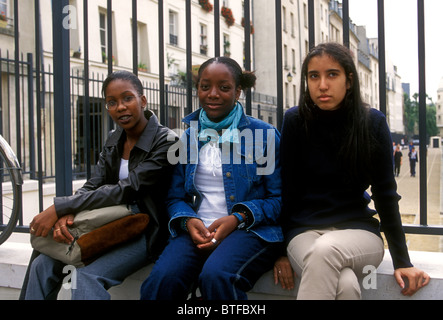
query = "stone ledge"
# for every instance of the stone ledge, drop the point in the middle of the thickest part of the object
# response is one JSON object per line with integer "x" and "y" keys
{"x": 386, "y": 286}
{"x": 14, "y": 258}
{"x": 388, "y": 289}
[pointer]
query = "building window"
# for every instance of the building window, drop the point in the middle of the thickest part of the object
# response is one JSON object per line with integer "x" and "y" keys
{"x": 203, "y": 39}
{"x": 7, "y": 14}
{"x": 285, "y": 57}
{"x": 4, "y": 9}
{"x": 284, "y": 20}
{"x": 74, "y": 30}
{"x": 173, "y": 23}
{"x": 174, "y": 116}
{"x": 286, "y": 95}
{"x": 226, "y": 46}
{"x": 143, "y": 48}
{"x": 103, "y": 37}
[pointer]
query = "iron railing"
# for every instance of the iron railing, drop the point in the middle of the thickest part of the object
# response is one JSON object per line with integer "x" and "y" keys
{"x": 62, "y": 87}
{"x": 88, "y": 122}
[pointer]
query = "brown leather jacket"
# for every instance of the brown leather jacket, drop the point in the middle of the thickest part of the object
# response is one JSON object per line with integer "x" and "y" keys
{"x": 146, "y": 185}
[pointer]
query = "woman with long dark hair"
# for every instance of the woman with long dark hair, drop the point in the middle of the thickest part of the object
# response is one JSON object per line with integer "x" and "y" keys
{"x": 334, "y": 147}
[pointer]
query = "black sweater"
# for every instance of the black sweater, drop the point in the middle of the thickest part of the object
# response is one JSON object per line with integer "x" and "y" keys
{"x": 318, "y": 192}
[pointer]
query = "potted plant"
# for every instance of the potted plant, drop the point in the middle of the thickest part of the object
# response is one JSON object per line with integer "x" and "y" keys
{"x": 3, "y": 20}
{"x": 206, "y": 5}
{"x": 243, "y": 25}
{"x": 77, "y": 54}
{"x": 204, "y": 49}
{"x": 105, "y": 58}
{"x": 226, "y": 49}
{"x": 227, "y": 14}
{"x": 142, "y": 67}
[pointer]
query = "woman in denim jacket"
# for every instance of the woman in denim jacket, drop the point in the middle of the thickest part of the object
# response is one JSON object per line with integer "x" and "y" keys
{"x": 224, "y": 202}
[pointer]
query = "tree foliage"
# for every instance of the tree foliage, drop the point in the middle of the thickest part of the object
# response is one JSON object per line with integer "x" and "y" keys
{"x": 411, "y": 118}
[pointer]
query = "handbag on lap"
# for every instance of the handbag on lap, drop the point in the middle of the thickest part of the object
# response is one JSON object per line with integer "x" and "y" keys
{"x": 95, "y": 232}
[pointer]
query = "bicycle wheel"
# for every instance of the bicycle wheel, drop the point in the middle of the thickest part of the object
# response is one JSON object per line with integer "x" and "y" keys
{"x": 10, "y": 191}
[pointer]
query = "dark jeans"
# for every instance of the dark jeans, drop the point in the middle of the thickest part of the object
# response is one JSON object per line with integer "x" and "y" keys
{"x": 397, "y": 169}
{"x": 90, "y": 282}
{"x": 226, "y": 273}
{"x": 412, "y": 164}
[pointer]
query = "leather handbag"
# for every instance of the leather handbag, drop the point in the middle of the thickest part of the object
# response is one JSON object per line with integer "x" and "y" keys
{"x": 95, "y": 232}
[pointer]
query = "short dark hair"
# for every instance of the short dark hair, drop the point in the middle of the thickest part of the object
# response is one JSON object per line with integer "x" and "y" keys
{"x": 244, "y": 79}
{"x": 123, "y": 75}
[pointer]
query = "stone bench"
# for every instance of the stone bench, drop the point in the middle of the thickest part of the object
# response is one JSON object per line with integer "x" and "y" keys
{"x": 14, "y": 259}
{"x": 264, "y": 289}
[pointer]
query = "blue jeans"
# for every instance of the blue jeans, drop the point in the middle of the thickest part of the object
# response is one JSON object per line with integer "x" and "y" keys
{"x": 93, "y": 280}
{"x": 226, "y": 273}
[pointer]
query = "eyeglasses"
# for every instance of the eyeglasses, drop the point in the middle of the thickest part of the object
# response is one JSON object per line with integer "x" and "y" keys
{"x": 113, "y": 104}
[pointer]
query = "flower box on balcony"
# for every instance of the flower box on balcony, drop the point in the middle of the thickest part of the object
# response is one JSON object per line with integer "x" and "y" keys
{"x": 206, "y": 5}
{"x": 243, "y": 25}
{"x": 229, "y": 17}
{"x": 3, "y": 20}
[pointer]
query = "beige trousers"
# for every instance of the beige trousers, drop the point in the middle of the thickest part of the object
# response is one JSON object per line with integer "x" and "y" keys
{"x": 331, "y": 262}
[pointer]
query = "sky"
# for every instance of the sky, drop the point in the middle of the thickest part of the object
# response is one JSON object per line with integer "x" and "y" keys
{"x": 401, "y": 37}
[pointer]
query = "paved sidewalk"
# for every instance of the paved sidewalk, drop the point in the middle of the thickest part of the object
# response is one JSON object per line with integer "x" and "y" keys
{"x": 409, "y": 189}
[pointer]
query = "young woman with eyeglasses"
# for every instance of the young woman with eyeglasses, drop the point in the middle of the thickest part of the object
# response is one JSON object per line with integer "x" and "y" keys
{"x": 133, "y": 169}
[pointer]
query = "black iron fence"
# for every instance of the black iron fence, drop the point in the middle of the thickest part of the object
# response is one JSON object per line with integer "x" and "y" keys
{"x": 66, "y": 111}
{"x": 88, "y": 132}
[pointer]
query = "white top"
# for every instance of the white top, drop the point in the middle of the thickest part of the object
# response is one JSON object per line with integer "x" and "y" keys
{"x": 124, "y": 171}
{"x": 209, "y": 182}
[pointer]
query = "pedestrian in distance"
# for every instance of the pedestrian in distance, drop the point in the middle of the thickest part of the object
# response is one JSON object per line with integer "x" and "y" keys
{"x": 224, "y": 210}
{"x": 132, "y": 170}
{"x": 334, "y": 147}
{"x": 410, "y": 146}
{"x": 413, "y": 160}
{"x": 398, "y": 160}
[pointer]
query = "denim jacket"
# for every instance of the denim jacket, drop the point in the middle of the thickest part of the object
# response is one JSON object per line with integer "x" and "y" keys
{"x": 251, "y": 177}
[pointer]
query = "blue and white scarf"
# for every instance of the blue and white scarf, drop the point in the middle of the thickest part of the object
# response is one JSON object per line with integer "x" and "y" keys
{"x": 229, "y": 126}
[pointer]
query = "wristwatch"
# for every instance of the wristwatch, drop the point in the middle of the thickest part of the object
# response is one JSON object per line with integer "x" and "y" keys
{"x": 241, "y": 220}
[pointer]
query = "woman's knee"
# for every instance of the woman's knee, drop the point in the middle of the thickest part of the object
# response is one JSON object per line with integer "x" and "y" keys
{"x": 321, "y": 252}
{"x": 213, "y": 273}
{"x": 164, "y": 285}
{"x": 348, "y": 285}
{"x": 44, "y": 264}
